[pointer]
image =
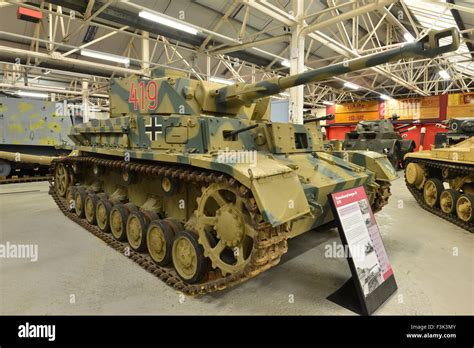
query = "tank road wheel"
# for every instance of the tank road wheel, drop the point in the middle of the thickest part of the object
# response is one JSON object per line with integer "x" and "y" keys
{"x": 79, "y": 199}
{"x": 223, "y": 214}
{"x": 464, "y": 207}
{"x": 70, "y": 197}
{"x": 118, "y": 220}
{"x": 5, "y": 168}
{"x": 432, "y": 192}
{"x": 159, "y": 241}
{"x": 90, "y": 205}
{"x": 188, "y": 257}
{"x": 137, "y": 225}
{"x": 448, "y": 200}
{"x": 102, "y": 214}
{"x": 415, "y": 175}
{"x": 61, "y": 179}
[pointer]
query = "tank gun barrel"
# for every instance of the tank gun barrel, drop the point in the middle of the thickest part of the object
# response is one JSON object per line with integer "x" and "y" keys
{"x": 25, "y": 158}
{"x": 317, "y": 119}
{"x": 428, "y": 47}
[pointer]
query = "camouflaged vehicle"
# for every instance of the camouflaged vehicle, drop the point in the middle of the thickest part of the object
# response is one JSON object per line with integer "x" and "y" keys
{"x": 442, "y": 181}
{"x": 459, "y": 129}
{"x": 31, "y": 131}
{"x": 197, "y": 186}
{"x": 381, "y": 136}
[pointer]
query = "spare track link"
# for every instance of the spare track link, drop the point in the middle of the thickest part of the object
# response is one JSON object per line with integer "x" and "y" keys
{"x": 270, "y": 242}
{"x": 418, "y": 194}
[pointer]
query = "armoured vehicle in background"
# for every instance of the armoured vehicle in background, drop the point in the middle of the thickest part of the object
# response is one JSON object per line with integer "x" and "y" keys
{"x": 442, "y": 181}
{"x": 31, "y": 131}
{"x": 459, "y": 129}
{"x": 382, "y": 137}
{"x": 195, "y": 183}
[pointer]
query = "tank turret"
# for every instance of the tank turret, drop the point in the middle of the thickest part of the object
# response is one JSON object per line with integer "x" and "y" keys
{"x": 174, "y": 93}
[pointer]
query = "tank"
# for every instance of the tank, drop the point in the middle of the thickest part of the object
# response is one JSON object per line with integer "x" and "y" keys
{"x": 192, "y": 181}
{"x": 381, "y": 136}
{"x": 459, "y": 129}
{"x": 442, "y": 181}
{"x": 30, "y": 128}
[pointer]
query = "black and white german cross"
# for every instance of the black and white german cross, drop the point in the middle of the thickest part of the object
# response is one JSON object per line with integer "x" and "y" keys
{"x": 152, "y": 129}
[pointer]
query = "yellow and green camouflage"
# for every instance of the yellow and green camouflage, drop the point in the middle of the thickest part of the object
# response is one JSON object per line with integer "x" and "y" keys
{"x": 177, "y": 120}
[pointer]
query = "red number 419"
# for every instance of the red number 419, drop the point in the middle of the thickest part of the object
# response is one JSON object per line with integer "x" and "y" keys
{"x": 151, "y": 93}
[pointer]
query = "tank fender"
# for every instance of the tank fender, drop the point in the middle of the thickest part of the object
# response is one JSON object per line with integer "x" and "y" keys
{"x": 407, "y": 146}
{"x": 373, "y": 161}
{"x": 276, "y": 188}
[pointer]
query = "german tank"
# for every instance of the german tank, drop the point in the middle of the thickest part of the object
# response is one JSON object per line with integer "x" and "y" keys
{"x": 192, "y": 181}
{"x": 381, "y": 136}
{"x": 442, "y": 181}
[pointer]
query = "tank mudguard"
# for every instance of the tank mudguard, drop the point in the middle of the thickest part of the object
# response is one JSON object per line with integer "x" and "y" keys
{"x": 373, "y": 161}
{"x": 276, "y": 188}
{"x": 407, "y": 146}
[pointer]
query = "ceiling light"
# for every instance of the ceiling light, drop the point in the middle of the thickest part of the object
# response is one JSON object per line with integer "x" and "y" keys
{"x": 444, "y": 74}
{"x": 325, "y": 102}
{"x": 32, "y": 94}
{"x": 286, "y": 62}
{"x": 351, "y": 85}
{"x": 106, "y": 56}
{"x": 408, "y": 37}
{"x": 168, "y": 22}
{"x": 385, "y": 97}
{"x": 220, "y": 80}
{"x": 285, "y": 94}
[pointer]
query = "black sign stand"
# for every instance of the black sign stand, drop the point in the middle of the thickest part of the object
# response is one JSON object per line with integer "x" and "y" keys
{"x": 345, "y": 295}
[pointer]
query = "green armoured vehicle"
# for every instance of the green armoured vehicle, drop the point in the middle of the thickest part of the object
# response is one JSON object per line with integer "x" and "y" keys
{"x": 381, "y": 136}
{"x": 194, "y": 174}
{"x": 442, "y": 181}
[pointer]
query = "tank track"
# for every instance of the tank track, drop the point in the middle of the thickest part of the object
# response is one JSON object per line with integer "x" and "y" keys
{"x": 381, "y": 196}
{"x": 24, "y": 179}
{"x": 270, "y": 243}
{"x": 418, "y": 194}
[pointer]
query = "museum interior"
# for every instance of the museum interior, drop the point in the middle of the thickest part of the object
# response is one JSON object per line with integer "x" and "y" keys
{"x": 252, "y": 157}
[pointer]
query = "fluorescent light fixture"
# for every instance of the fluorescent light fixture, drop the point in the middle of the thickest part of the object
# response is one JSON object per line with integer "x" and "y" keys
{"x": 106, "y": 56}
{"x": 385, "y": 97}
{"x": 408, "y": 37}
{"x": 285, "y": 94}
{"x": 168, "y": 22}
{"x": 325, "y": 102}
{"x": 220, "y": 80}
{"x": 444, "y": 74}
{"x": 32, "y": 94}
{"x": 47, "y": 72}
{"x": 351, "y": 85}
{"x": 286, "y": 62}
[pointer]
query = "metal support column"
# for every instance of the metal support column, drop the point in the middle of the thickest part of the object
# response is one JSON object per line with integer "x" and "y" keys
{"x": 85, "y": 101}
{"x": 297, "y": 62}
{"x": 145, "y": 53}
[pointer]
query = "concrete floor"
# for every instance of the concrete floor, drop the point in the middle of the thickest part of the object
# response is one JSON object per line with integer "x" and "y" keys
{"x": 430, "y": 278}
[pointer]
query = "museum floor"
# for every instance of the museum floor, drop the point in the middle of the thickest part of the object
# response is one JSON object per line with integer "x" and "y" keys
{"x": 73, "y": 264}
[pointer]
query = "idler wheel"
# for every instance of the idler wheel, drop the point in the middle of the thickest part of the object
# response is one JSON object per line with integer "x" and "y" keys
{"x": 188, "y": 257}
{"x": 415, "y": 175}
{"x": 61, "y": 179}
